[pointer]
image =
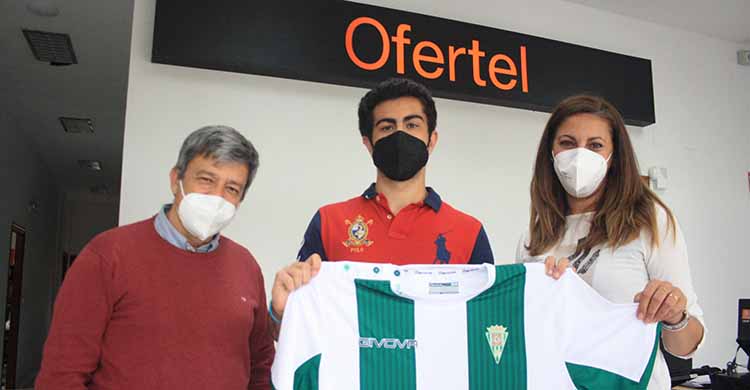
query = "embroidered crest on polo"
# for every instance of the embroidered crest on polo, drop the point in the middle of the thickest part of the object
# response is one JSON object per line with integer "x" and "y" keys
{"x": 496, "y": 335}
{"x": 357, "y": 232}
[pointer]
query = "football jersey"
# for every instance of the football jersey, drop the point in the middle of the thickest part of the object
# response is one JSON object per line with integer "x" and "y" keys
{"x": 458, "y": 327}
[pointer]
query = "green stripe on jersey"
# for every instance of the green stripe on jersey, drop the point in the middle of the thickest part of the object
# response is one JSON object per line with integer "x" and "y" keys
{"x": 306, "y": 375}
{"x": 497, "y": 345}
{"x": 591, "y": 378}
{"x": 386, "y": 344}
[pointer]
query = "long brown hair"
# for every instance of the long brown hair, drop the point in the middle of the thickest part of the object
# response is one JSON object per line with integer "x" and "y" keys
{"x": 625, "y": 208}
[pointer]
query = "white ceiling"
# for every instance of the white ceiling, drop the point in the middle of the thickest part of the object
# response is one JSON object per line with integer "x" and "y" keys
{"x": 34, "y": 94}
{"x": 724, "y": 19}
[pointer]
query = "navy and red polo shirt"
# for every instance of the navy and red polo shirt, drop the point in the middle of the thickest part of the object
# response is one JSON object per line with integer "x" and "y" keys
{"x": 365, "y": 229}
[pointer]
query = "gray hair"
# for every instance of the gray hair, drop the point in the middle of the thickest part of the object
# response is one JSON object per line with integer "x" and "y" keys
{"x": 222, "y": 143}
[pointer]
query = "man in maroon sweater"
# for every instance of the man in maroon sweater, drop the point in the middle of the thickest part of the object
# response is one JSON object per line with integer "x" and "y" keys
{"x": 169, "y": 303}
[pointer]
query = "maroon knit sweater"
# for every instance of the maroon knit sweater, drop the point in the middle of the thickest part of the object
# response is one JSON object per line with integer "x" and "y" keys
{"x": 136, "y": 313}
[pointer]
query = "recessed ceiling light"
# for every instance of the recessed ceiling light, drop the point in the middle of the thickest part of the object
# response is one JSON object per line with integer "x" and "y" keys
{"x": 93, "y": 165}
{"x": 55, "y": 48}
{"x": 77, "y": 125}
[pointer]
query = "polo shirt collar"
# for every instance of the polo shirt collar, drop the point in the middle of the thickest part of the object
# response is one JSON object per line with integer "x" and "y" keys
{"x": 432, "y": 200}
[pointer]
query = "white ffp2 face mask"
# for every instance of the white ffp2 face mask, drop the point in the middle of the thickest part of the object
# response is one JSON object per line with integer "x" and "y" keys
{"x": 204, "y": 215}
{"x": 580, "y": 171}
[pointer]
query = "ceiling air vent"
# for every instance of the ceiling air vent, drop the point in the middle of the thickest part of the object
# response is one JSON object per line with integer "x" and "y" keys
{"x": 93, "y": 165}
{"x": 77, "y": 125}
{"x": 55, "y": 48}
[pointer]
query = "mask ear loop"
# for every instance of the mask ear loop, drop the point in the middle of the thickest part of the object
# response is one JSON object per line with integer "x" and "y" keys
{"x": 606, "y": 162}
{"x": 182, "y": 190}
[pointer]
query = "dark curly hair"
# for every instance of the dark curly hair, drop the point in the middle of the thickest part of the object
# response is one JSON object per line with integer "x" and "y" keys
{"x": 393, "y": 89}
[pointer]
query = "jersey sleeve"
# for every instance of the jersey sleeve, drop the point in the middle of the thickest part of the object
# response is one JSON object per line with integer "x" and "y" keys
{"x": 605, "y": 346}
{"x": 313, "y": 240}
{"x": 298, "y": 351}
{"x": 669, "y": 262}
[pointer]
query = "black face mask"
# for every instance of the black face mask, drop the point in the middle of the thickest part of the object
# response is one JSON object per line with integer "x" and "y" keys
{"x": 400, "y": 155}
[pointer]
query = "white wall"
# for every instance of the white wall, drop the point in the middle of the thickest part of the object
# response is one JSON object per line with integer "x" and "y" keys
{"x": 311, "y": 152}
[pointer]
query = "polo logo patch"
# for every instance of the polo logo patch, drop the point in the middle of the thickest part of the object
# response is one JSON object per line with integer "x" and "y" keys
{"x": 357, "y": 232}
{"x": 443, "y": 256}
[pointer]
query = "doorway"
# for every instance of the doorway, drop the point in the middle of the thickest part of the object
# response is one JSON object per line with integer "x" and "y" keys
{"x": 13, "y": 306}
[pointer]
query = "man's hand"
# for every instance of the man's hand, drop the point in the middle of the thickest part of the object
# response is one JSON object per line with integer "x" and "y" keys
{"x": 290, "y": 278}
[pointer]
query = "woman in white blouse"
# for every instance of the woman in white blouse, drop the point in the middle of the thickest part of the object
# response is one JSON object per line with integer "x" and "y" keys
{"x": 591, "y": 212}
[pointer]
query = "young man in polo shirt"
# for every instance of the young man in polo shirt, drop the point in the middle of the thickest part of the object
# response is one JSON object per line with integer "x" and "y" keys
{"x": 397, "y": 219}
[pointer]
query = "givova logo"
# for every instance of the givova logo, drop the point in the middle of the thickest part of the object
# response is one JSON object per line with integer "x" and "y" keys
{"x": 387, "y": 343}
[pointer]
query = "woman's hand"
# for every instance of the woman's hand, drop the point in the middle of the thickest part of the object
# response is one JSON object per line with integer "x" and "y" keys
{"x": 555, "y": 268}
{"x": 660, "y": 301}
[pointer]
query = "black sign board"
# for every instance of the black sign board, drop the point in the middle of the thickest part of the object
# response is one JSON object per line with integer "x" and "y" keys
{"x": 360, "y": 45}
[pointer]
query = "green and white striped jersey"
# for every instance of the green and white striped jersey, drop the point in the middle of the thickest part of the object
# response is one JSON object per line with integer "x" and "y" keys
{"x": 362, "y": 326}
